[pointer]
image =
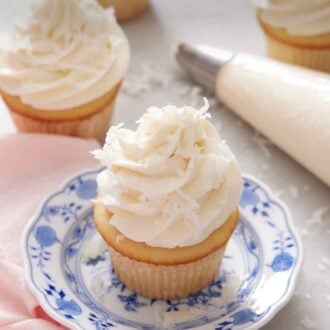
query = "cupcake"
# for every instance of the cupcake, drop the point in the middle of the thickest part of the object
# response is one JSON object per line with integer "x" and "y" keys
{"x": 61, "y": 68}
{"x": 297, "y": 31}
{"x": 167, "y": 201}
{"x": 125, "y": 9}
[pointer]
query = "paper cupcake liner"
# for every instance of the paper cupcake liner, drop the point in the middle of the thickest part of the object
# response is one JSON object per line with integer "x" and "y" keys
{"x": 125, "y": 9}
{"x": 94, "y": 126}
{"x": 166, "y": 282}
{"x": 313, "y": 58}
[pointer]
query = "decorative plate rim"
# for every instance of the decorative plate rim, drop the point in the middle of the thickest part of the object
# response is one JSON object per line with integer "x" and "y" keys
{"x": 274, "y": 309}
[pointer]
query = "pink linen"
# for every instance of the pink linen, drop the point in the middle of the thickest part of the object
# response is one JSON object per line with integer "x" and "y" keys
{"x": 31, "y": 167}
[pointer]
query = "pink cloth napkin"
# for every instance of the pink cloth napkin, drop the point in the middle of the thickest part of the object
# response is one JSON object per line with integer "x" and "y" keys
{"x": 31, "y": 167}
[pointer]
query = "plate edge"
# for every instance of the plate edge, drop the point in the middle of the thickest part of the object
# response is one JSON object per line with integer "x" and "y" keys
{"x": 26, "y": 264}
{"x": 274, "y": 310}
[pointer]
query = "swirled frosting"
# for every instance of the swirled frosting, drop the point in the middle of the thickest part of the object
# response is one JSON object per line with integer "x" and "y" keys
{"x": 299, "y": 17}
{"x": 63, "y": 54}
{"x": 171, "y": 182}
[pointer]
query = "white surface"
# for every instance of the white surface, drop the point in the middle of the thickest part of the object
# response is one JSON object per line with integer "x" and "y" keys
{"x": 230, "y": 24}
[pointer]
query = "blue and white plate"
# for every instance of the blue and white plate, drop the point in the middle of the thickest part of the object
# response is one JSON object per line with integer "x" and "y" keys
{"x": 69, "y": 271}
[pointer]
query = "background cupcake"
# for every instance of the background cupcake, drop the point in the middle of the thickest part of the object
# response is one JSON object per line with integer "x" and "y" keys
{"x": 61, "y": 68}
{"x": 125, "y": 9}
{"x": 167, "y": 201}
{"x": 298, "y": 31}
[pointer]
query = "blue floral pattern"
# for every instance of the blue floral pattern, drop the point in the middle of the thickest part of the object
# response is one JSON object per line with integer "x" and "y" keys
{"x": 86, "y": 293}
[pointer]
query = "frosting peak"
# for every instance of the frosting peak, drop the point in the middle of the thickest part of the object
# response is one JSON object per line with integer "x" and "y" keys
{"x": 299, "y": 17}
{"x": 64, "y": 53}
{"x": 171, "y": 182}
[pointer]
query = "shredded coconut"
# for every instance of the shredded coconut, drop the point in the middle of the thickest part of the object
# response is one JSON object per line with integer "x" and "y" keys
{"x": 321, "y": 267}
{"x": 294, "y": 192}
{"x": 145, "y": 80}
{"x": 326, "y": 261}
{"x": 317, "y": 217}
{"x": 305, "y": 232}
{"x": 196, "y": 95}
{"x": 279, "y": 193}
{"x": 98, "y": 286}
{"x": 93, "y": 248}
{"x": 262, "y": 143}
{"x": 265, "y": 167}
{"x": 307, "y": 323}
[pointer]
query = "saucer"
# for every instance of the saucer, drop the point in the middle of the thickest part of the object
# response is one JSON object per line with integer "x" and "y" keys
{"x": 69, "y": 271}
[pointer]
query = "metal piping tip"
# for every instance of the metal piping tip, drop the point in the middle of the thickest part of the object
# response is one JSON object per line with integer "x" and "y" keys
{"x": 202, "y": 63}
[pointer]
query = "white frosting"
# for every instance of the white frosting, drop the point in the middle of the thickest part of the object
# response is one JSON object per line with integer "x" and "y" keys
{"x": 299, "y": 17}
{"x": 65, "y": 53}
{"x": 171, "y": 182}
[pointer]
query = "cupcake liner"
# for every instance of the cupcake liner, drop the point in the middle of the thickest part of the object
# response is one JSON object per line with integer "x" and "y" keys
{"x": 166, "y": 282}
{"x": 313, "y": 58}
{"x": 125, "y": 9}
{"x": 94, "y": 126}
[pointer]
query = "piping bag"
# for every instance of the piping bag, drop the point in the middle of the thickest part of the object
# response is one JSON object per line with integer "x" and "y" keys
{"x": 288, "y": 104}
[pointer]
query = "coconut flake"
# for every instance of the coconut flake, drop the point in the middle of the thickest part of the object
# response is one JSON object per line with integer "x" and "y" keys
{"x": 326, "y": 261}
{"x": 294, "y": 192}
{"x": 265, "y": 167}
{"x": 307, "y": 323}
{"x": 321, "y": 267}
{"x": 279, "y": 193}
{"x": 317, "y": 217}
{"x": 262, "y": 143}
{"x": 196, "y": 95}
{"x": 145, "y": 80}
{"x": 93, "y": 248}
{"x": 304, "y": 232}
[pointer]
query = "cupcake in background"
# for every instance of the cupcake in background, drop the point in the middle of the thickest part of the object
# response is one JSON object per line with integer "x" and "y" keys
{"x": 167, "y": 201}
{"x": 61, "y": 68}
{"x": 125, "y": 9}
{"x": 298, "y": 31}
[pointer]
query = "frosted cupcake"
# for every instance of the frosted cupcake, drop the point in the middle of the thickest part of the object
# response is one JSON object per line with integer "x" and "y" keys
{"x": 167, "y": 201}
{"x": 126, "y": 9}
{"x": 298, "y": 31}
{"x": 61, "y": 68}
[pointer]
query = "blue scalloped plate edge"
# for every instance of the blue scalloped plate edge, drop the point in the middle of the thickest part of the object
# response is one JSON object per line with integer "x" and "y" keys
{"x": 269, "y": 316}
{"x": 274, "y": 309}
{"x": 36, "y": 293}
